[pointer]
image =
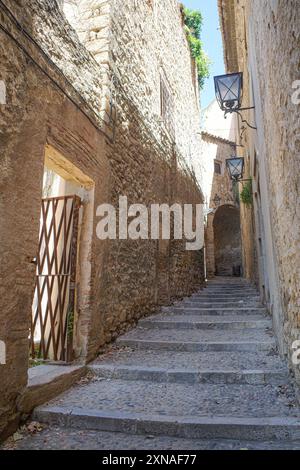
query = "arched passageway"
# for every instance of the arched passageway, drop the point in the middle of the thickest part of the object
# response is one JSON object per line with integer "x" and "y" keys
{"x": 227, "y": 241}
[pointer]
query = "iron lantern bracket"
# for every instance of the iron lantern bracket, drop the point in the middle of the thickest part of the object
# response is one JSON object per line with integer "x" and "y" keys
{"x": 237, "y": 111}
{"x": 241, "y": 109}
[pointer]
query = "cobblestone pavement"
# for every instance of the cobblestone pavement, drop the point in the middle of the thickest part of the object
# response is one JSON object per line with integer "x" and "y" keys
{"x": 187, "y": 378}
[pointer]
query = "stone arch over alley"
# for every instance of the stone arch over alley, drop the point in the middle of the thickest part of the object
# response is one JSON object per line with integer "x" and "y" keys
{"x": 223, "y": 242}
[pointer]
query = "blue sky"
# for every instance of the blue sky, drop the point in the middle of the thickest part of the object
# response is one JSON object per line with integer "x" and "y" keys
{"x": 212, "y": 43}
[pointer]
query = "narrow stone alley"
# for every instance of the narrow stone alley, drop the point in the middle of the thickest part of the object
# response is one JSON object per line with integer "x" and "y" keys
{"x": 149, "y": 226}
{"x": 202, "y": 374}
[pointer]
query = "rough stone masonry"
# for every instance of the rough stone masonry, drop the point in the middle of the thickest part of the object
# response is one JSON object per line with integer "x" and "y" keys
{"x": 99, "y": 120}
{"x": 262, "y": 40}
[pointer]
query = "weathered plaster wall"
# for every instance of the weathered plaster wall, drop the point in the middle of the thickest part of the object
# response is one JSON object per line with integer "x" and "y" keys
{"x": 277, "y": 27}
{"x": 269, "y": 56}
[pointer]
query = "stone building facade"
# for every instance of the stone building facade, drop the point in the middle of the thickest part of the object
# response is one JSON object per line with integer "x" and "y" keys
{"x": 223, "y": 244}
{"x": 261, "y": 39}
{"x": 95, "y": 106}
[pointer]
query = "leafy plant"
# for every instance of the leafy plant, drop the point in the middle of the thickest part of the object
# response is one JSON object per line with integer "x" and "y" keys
{"x": 193, "y": 24}
{"x": 35, "y": 362}
{"x": 246, "y": 193}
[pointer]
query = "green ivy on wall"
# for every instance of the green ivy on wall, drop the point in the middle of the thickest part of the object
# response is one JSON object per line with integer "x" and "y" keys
{"x": 246, "y": 193}
{"x": 193, "y": 25}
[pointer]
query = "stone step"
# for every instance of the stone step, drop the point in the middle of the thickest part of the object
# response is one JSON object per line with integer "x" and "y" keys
{"x": 173, "y": 339}
{"x": 228, "y": 286}
{"x": 211, "y": 300}
{"x": 58, "y": 438}
{"x": 226, "y": 279}
{"x": 241, "y": 282}
{"x": 207, "y": 346}
{"x": 229, "y": 290}
{"x": 210, "y": 323}
{"x": 223, "y": 292}
{"x": 252, "y": 412}
{"x": 206, "y": 304}
{"x": 239, "y": 303}
{"x": 189, "y": 335}
{"x": 187, "y": 310}
{"x": 170, "y": 360}
{"x": 222, "y": 296}
{"x": 189, "y": 427}
{"x": 190, "y": 376}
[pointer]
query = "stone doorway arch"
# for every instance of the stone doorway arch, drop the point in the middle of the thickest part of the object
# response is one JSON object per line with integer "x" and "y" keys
{"x": 227, "y": 241}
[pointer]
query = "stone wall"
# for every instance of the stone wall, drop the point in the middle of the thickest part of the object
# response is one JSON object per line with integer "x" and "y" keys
{"x": 64, "y": 105}
{"x": 38, "y": 113}
{"x": 269, "y": 56}
{"x": 139, "y": 275}
{"x": 149, "y": 165}
{"x": 142, "y": 41}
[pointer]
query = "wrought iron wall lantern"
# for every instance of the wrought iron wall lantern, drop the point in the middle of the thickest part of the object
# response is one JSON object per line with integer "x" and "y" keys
{"x": 236, "y": 167}
{"x": 229, "y": 94}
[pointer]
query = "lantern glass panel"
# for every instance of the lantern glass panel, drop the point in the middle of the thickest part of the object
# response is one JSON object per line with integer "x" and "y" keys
{"x": 236, "y": 168}
{"x": 229, "y": 91}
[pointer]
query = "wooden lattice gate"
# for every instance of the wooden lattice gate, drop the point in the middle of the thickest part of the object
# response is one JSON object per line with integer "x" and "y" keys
{"x": 52, "y": 325}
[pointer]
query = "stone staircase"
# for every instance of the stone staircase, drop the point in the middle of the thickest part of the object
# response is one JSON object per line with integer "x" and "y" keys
{"x": 203, "y": 370}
